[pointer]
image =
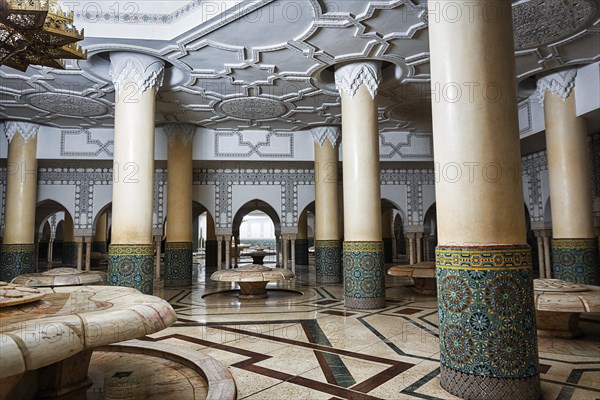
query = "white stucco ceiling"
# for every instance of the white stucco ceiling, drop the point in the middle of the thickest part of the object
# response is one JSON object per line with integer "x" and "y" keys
{"x": 267, "y": 64}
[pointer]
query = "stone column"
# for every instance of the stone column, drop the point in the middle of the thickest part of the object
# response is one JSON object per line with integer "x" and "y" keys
{"x": 301, "y": 247}
{"x": 285, "y": 256}
{"x": 574, "y": 244}
{"x": 17, "y": 251}
{"x": 100, "y": 234}
{"x": 179, "y": 248}
{"x": 88, "y": 253}
{"x": 79, "y": 241}
{"x": 211, "y": 247}
{"x": 227, "y": 251}
{"x": 540, "y": 247}
{"x": 364, "y": 279}
{"x": 219, "y": 253}
{"x": 411, "y": 248}
{"x": 236, "y": 250}
{"x": 131, "y": 254}
{"x": 50, "y": 251}
{"x": 293, "y": 250}
{"x": 157, "y": 247}
{"x": 419, "y": 244}
{"x": 487, "y": 330}
{"x": 278, "y": 257}
{"x": 328, "y": 246}
{"x": 69, "y": 245}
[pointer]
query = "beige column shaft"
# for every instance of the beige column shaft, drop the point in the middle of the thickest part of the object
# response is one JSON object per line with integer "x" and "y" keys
{"x": 79, "y": 253}
{"x": 568, "y": 164}
{"x": 88, "y": 253}
{"x": 133, "y": 168}
{"x": 477, "y": 147}
{"x": 100, "y": 235}
{"x": 302, "y": 226}
{"x": 227, "y": 251}
{"x": 419, "y": 244}
{"x": 362, "y": 193}
{"x": 179, "y": 195}
{"x": 411, "y": 248}
{"x": 50, "y": 251}
{"x": 540, "y": 250}
{"x": 293, "y": 249}
{"x": 326, "y": 191}
{"x": 285, "y": 244}
{"x": 21, "y": 191}
{"x": 547, "y": 259}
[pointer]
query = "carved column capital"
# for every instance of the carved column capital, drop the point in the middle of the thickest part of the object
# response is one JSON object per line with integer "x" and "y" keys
{"x": 25, "y": 129}
{"x": 561, "y": 83}
{"x": 185, "y": 131}
{"x": 323, "y": 133}
{"x": 141, "y": 70}
{"x": 349, "y": 77}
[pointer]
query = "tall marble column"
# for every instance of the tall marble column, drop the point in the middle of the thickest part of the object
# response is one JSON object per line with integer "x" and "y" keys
{"x": 100, "y": 234}
{"x": 301, "y": 248}
{"x": 487, "y": 330}
{"x": 88, "y": 252}
{"x": 18, "y": 250}
{"x": 79, "y": 242}
{"x": 69, "y": 251}
{"x": 131, "y": 254}
{"x": 364, "y": 279}
{"x": 228, "y": 251}
{"x": 328, "y": 246}
{"x": 179, "y": 248}
{"x": 574, "y": 244}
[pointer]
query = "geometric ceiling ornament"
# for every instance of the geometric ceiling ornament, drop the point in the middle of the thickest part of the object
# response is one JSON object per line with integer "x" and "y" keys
{"x": 252, "y": 108}
{"x": 539, "y": 23}
{"x": 67, "y": 104}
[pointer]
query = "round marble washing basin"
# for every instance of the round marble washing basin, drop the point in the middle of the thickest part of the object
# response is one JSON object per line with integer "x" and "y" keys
{"x": 252, "y": 279}
{"x": 62, "y": 277}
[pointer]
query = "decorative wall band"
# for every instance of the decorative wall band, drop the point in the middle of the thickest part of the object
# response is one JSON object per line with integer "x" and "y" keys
{"x": 15, "y": 260}
{"x": 576, "y": 260}
{"x": 364, "y": 278}
{"x": 178, "y": 263}
{"x": 487, "y": 320}
{"x": 131, "y": 265}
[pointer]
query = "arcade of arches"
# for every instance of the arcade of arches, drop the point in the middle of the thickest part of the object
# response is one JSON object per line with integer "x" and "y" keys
{"x": 160, "y": 193}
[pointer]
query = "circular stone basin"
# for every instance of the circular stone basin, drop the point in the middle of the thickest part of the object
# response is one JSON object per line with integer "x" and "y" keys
{"x": 62, "y": 277}
{"x": 12, "y": 295}
{"x": 252, "y": 279}
{"x": 557, "y": 285}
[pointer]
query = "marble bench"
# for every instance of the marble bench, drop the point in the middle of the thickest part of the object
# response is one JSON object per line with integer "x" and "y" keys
{"x": 62, "y": 277}
{"x": 46, "y": 345}
{"x": 422, "y": 274}
{"x": 558, "y": 305}
{"x": 252, "y": 279}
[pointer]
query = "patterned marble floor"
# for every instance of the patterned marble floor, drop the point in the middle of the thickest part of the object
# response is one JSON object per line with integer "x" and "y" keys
{"x": 301, "y": 343}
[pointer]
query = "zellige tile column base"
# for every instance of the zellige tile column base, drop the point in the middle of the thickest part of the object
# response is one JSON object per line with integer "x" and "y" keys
{"x": 301, "y": 251}
{"x": 364, "y": 277}
{"x": 576, "y": 260}
{"x": 15, "y": 260}
{"x": 178, "y": 264}
{"x": 69, "y": 253}
{"x": 328, "y": 261}
{"x": 131, "y": 265}
{"x": 488, "y": 335}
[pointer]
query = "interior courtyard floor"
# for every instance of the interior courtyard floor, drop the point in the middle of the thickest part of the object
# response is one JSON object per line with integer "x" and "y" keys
{"x": 302, "y": 343}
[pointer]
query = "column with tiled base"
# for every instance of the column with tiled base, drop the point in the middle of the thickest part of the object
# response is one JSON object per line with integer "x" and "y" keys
{"x": 302, "y": 240}
{"x": 487, "y": 330}
{"x": 178, "y": 248}
{"x": 131, "y": 254}
{"x": 574, "y": 244}
{"x": 363, "y": 257}
{"x": 328, "y": 246}
{"x": 17, "y": 251}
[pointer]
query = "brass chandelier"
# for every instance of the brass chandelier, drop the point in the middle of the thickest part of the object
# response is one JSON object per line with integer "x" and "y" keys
{"x": 37, "y": 32}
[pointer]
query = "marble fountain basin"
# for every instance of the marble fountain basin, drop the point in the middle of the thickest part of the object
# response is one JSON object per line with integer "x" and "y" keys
{"x": 46, "y": 345}
{"x": 253, "y": 279}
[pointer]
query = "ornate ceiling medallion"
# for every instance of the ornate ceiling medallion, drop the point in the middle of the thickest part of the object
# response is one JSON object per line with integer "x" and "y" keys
{"x": 252, "y": 108}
